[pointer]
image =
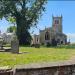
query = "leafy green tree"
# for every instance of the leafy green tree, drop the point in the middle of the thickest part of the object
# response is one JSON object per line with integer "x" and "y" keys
{"x": 11, "y": 29}
{"x": 26, "y": 14}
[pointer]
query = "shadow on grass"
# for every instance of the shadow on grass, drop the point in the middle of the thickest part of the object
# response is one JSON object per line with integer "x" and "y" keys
{"x": 66, "y": 46}
{"x": 71, "y": 46}
{"x": 23, "y": 52}
{"x": 25, "y": 46}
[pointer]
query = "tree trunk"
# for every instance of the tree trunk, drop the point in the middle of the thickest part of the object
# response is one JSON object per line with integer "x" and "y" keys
{"x": 22, "y": 32}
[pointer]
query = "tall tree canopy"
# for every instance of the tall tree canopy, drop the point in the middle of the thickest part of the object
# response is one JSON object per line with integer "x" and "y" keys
{"x": 26, "y": 14}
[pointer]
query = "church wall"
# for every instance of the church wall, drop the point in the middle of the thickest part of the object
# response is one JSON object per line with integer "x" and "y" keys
{"x": 54, "y": 32}
{"x": 62, "y": 38}
{"x": 42, "y": 37}
{"x": 36, "y": 39}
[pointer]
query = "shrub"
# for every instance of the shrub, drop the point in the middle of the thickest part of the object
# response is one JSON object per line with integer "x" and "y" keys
{"x": 54, "y": 42}
{"x": 48, "y": 44}
{"x": 32, "y": 45}
{"x": 37, "y": 45}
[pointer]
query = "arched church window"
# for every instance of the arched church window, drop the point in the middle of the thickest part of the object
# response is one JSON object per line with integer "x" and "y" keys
{"x": 47, "y": 36}
{"x": 61, "y": 42}
{"x": 37, "y": 39}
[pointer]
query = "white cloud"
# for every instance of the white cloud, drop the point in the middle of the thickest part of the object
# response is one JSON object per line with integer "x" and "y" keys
{"x": 71, "y": 36}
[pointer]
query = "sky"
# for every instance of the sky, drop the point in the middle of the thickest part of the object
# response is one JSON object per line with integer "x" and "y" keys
{"x": 55, "y": 8}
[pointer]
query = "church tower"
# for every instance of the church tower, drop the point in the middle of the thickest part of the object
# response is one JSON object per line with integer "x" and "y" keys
{"x": 57, "y": 24}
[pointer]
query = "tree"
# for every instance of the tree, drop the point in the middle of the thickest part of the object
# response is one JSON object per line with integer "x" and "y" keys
{"x": 11, "y": 29}
{"x": 26, "y": 14}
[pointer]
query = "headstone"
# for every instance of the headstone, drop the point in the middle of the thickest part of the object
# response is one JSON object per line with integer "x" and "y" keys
{"x": 15, "y": 44}
{"x": 1, "y": 43}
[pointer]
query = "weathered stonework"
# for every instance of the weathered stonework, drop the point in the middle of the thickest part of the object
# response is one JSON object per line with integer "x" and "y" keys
{"x": 52, "y": 68}
{"x": 15, "y": 46}
{"x": 68, "y": 70}
{"x": 55, "y": 32}
{"x": 6, "y": 71}
{"x": 55, "y": 68}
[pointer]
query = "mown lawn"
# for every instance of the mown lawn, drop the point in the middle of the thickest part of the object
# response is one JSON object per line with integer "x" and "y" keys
{"x": 35, "y": 55}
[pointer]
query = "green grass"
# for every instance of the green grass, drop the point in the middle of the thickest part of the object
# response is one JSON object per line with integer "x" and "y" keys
{"x": 35, "y": 55}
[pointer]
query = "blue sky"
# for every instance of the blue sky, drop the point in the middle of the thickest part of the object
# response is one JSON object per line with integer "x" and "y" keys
{"x": 58, "y": 8}
{"x": 66, "y": 8}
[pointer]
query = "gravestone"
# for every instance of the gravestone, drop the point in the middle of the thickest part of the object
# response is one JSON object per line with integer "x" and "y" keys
{"x": 14, "y": 44}
{"x": 1, "y": 43}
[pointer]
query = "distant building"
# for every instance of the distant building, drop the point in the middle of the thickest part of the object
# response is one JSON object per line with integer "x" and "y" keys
{"x": 48, "y": 34}
{"x": 7, "y": 37}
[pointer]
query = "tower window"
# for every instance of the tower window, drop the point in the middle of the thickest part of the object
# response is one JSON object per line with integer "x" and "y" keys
{"x": 56, "y": 21}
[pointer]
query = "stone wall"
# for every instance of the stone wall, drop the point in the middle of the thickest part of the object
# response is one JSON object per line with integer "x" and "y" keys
{"x": 54, "y": 68}
{"x": 6, "y": 72}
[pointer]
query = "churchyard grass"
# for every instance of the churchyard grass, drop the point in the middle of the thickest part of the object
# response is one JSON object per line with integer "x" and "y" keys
{"x": 35, "y": 55}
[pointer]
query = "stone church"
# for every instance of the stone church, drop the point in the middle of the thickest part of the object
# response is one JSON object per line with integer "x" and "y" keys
{"x": 55, "y": 32}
